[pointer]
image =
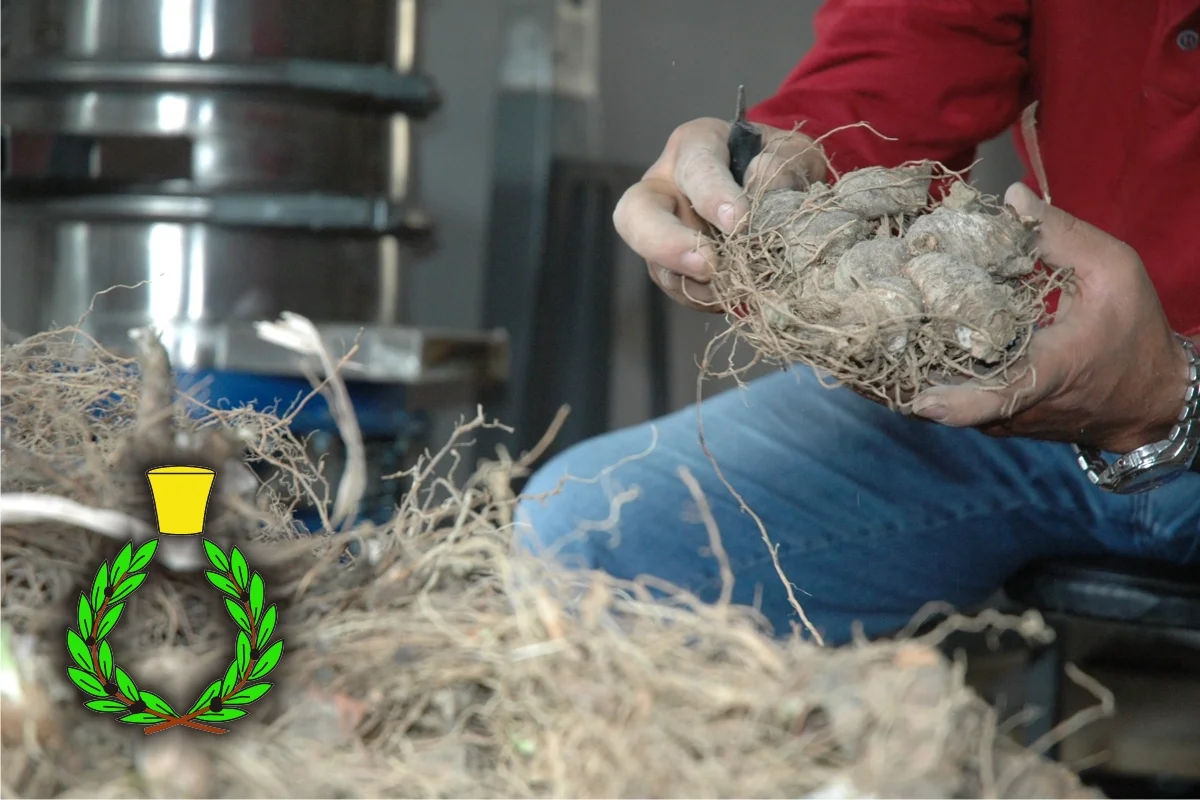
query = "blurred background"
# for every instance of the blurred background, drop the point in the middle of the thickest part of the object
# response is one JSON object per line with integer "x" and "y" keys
{"x": 434, "y": 177}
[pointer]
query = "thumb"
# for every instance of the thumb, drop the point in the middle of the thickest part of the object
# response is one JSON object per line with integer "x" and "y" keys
{"x": 1063, "y": 240}
{"x": 974, "y": 403}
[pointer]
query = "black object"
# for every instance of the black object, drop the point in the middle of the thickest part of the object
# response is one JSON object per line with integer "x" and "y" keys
{"x": 1111, "y": 590}
{"x": 1148, "y": 594}
{"x": 745, "y": 140}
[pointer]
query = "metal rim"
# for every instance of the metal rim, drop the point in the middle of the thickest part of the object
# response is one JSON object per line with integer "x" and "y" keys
{"x": 376, "y": 87}
{"x": 326, "y": 213}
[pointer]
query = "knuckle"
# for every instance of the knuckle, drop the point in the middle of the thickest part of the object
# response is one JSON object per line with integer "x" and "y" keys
{"x": 702, "y": 126}
{"x": 1126, "y": 253}
{"x": 620, "y": 212}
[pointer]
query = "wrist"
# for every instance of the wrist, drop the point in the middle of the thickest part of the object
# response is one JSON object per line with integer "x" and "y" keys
{"x": 1171, "y": 395}
{"x": 1163, "y": 460}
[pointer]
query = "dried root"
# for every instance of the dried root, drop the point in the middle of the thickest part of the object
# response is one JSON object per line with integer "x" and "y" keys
{"x": 439, "y": 662}
{"x": 873, "y": 282}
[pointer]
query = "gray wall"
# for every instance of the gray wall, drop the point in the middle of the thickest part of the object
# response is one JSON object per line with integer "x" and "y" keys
{"x": 460, "y": 50}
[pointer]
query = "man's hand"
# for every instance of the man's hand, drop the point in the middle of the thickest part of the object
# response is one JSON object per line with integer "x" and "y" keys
{"x": 1107, "y": 373}
{"x": 664, "y": 217}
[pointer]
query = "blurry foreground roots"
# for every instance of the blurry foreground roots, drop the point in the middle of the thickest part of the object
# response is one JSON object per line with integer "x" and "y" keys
{"x": 436, "y": 663}
{"x": 874, "y": 284}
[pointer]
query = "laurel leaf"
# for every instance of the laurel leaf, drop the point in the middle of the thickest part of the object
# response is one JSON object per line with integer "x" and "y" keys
{"x": 237, "y": 613}
{"x": 231, "y": 679}
{"x": 239, "y": 568}
{"x": 127, "y": 686}
{"x": 221, "y": 582}
{"x": 86, "y": 682}
{"x": 249, "y": 694}
{"x": 141, "y": 718}
{"x": 266, "y": 628}
{"x": 104, "y": 655}
{"x": 142, "y": 556}
{"x": 267, "y": 661}
{"x": 85, "y": 617}
{"x": 121, "y": 563}
{"x": 79, "y": 651}
{"x": 128, "y": 586}
{"x": 106, "y": 706}
{"x": 99, "y": 585}
{"x": 258, "y": 595}
{"x": 212, "y": 691}
{"x": 243, "y": 652}
{"x": 216, "y": 556}
{"x": 109, "y": 621}
{"x": 224, "y": 715}
{"x": 156, "y": 703}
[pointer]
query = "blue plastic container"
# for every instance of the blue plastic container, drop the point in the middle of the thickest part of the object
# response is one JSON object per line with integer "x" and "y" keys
{"x": 389, "y": 429}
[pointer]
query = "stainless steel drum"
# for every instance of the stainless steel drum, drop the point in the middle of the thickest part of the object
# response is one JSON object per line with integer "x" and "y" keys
{"x": 228, "y": 158}
{"x": 354, "y": 31}
{"x": 219, "y": 162}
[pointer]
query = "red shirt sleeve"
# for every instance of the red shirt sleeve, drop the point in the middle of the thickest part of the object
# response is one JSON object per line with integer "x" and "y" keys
{"x": 937, "y": 76}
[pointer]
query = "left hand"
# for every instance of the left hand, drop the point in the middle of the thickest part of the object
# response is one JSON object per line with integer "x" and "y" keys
{"x": 1107, "y": 373}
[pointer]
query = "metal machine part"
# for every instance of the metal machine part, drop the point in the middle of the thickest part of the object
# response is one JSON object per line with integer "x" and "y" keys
{"x": 243, "y": 156}
{"x": 203, "y": 30}
{"x": 200, "y": 165}
{"x": 198, "y": 141}
{"x": 180, "y": 275}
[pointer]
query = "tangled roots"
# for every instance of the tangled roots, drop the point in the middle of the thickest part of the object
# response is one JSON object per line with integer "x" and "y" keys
{"x": 881, "y": 287}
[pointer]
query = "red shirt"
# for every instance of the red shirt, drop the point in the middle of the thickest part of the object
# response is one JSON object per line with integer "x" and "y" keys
{"x": 1118, "y": 90}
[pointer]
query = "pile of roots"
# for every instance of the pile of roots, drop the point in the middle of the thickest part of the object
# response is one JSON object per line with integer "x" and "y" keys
{"x": 873, "y": 282}
{"x": 425, "y": 658}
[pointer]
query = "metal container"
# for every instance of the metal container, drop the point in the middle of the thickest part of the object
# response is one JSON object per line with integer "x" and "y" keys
{"x": 228, "y": 158}
{"x": 200, "y": 165}
{"x": 204, "y": 30}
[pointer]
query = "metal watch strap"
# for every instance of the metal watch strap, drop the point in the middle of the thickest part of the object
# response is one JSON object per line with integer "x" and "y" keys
{"x": 1183, "y": 441}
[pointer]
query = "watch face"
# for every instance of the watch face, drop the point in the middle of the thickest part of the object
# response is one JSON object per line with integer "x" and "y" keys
{"x": 1149, "y": 478}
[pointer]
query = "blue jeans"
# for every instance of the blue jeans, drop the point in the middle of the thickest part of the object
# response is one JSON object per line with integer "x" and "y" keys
{"x": 874, "y": 514}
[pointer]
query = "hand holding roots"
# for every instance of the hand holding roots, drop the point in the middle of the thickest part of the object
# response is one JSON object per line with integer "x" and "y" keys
{"x": 884, "y": 289}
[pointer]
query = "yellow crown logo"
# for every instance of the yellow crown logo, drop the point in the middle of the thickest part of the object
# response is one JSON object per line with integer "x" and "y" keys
{"x": 180, "y": 498}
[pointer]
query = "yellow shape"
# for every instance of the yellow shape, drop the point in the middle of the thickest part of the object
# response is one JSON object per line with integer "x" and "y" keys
{"x": 180, "y": 497}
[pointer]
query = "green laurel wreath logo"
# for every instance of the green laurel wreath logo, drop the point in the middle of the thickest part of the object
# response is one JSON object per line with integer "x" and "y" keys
{"x": 97, "y": 675}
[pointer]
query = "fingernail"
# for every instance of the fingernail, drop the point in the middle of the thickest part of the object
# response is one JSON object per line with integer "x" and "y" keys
{"x": 696, "y": 264}
{"x": 1023, "y": 200}
{"x": 726, "y": 217}
{"x": 933, "y": 413}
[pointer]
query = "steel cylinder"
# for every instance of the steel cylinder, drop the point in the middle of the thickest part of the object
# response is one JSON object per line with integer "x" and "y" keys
{"x": 229, "y": 159}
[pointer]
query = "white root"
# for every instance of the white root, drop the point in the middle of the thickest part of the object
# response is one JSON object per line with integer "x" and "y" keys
{"x": 17, "y": 508}
{"x": 298, "y": 334}
{"x": 178, "y": 553}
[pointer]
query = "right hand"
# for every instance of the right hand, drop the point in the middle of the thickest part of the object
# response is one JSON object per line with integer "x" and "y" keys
{"x": 689, "y": 190}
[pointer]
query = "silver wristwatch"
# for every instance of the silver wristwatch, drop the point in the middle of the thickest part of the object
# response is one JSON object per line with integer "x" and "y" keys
{"x": 1155, "y": 464}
